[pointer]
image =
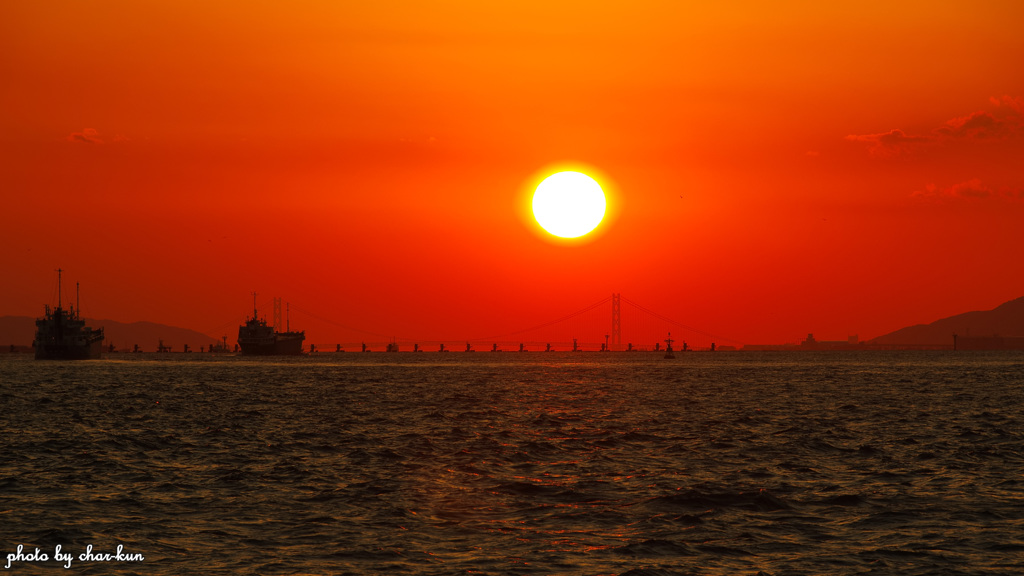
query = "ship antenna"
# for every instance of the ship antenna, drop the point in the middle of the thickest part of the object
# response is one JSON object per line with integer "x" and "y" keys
{"x": 78, "y": 302}
{"x": 58, "y": 287}
{"x": 287, "y": 316}
{"x": 253, "y": 305}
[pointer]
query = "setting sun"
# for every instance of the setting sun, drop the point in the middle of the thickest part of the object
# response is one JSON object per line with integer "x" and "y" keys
{"x": 569, "y": 204}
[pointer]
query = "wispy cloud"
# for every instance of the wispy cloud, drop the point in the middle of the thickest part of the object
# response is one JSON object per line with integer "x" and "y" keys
{"x": 892, "y": 143}
{"x": 981, "y": 125}
{"x": 1004, "y": 120}
{"x": 87, "y": 136}
{"x": 969, "y": 191}
{"x": 1014, "y": 103}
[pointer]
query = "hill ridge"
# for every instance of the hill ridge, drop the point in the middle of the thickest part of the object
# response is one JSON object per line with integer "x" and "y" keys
{"x": 1005, "y": 320}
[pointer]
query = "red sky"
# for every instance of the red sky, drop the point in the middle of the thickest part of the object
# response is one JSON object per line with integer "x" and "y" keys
{"x": 779, "y": 168}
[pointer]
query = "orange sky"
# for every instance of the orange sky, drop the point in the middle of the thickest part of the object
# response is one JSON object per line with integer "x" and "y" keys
{"x": 779, "y": 170}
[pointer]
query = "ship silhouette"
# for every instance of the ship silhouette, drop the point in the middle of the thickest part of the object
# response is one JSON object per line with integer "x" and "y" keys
{"x": 257, "y": 338}
{"x": 62, "y": 335}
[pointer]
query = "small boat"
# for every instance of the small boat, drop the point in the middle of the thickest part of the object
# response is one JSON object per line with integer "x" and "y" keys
{"x": 669, "y": 355}
{"x": 62, "y": 335}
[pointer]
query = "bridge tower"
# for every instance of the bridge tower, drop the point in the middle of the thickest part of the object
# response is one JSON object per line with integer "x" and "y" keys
{"x": 277, "y": 314}
{"x": 616, "y": 343}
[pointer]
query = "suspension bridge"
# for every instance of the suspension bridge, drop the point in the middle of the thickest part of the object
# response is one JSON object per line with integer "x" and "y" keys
{"x": 614, "y": 323}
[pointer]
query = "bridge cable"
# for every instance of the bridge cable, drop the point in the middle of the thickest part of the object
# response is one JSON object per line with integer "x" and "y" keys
{"x": 679, "y": 324}
{"x": 549, "y": 323}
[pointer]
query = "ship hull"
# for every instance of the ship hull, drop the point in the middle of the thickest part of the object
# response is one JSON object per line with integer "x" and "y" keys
{"x": 278, "y": 348}
{"x": 282, "y": 344}
{"x": 69, "y": 351}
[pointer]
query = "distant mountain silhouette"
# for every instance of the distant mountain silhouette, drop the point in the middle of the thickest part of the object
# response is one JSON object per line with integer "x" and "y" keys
{"x": 1004, "y": 320}
{"x": 21, "y": 330}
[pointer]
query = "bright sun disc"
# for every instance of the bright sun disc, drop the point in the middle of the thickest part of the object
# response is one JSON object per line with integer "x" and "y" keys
{"x": 569, "y": 204}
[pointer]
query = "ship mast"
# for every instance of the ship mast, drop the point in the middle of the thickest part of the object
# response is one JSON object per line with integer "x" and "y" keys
{"x": 58, "y": 288}
{"x": 253, "y": 305}
{"x": 78, "y": 302}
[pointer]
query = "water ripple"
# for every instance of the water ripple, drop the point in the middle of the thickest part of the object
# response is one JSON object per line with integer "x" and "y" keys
{"x": 519, "y": 464}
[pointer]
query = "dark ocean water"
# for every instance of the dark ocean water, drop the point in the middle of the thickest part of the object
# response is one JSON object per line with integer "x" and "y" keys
{"x": 506, "y": 463}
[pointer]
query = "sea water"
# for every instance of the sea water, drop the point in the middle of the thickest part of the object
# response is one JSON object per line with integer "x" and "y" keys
{"x": 509, "y": 463}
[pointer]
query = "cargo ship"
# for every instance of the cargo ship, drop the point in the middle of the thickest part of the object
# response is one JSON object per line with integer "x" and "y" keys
{"x": 62, "y": 335}
{"x": 257, "y": 338}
